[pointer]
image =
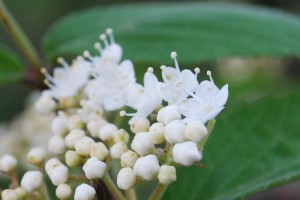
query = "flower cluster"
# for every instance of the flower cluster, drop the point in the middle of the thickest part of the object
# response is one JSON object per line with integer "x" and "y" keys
{"x": 169, "y": 126}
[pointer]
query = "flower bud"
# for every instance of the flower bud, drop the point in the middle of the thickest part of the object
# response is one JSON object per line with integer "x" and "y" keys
{"x": 63, "y": 191}
{"x": 73, "y": 136}
{"x": 168, "y": 114}
{"x": 186, "y": 153}
{"x": 117, "y": 150}
{"x": 36, "y": 156}
{"x": 8, "y": 163}
{"x": 57, "y": 172}
{"x": 107, "y": 132}
{"x": 84, "y": 192}
{"x": 82, "y": 146}
{"x": 174, "y": 132}
{"x": 121, "y": 136}
{"x": 45, "y": 104}
{"x": 140, "y": 125}
{"x": 156, "y": 131}
{"x": 195, "y": 131}
{"x": 142, "y": 144}
{"x": 146, "y": 167}
{"x": 128, "y": 158}
{"x": 126, "y": 178}
{"x": 95, "y": 125}
{"x": 72, "y": 159}
{"x": 59, "y": 125}
{"x": 74, "y": 122}
{"x": 21, "y": 192}
{"x": 57, "y": 145}
{"x": 167, "y": 174}
{"x": 9, "y": 194}
{"x": 99, "y": 150}
{"x": 94, "y": 168}
{"x": 32, "y": 181}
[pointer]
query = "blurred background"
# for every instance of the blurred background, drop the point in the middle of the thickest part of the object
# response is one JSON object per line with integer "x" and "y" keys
{"x": 268, "y": 74}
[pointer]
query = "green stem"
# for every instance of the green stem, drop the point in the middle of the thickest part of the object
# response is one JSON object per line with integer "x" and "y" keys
{"x": 210, "y": 127}
{"x": 158, "y": 192}
{"x": 130, "y": 194}
{"x": 19, "y": 36}
{"x": 113, "y": 188}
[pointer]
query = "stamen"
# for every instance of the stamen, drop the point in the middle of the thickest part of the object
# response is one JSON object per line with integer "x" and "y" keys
{"x": 124, "y": 113}
{"x": 103, "y": 38}
{"x": 174, "y": 57}
{"x": 210, "y": 77}
{"x": 87, "y": 55}
{"x": 49, "y": 78}
{"x": 98, "y": 47}
{"x": 197, "y": 71}
{"x": 150, "y": 70}
{"x": 109, "y": 32}
{"x": 163, "y": 67}
{"x": 62, "y": 61}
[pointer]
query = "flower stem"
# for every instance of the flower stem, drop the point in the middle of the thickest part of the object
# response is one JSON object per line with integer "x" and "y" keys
{"x": 113, "y": 188}
{"x": 130, "y": 194}
{"x": 158, "y": 192}
{"x": 19, "y": 36}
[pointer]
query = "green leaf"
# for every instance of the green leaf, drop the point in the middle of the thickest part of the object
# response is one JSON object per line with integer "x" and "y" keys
{"x": 10, "y": 66}
{"x": 252, "y": 148}
{"x": 197, "y": 31}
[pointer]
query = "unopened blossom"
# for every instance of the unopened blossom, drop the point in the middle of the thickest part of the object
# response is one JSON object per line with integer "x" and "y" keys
{"x": 8, "y": 163}
{"x": 57, "y": 171}
{"x": 59, "y": 125}
{"x": 84, "y": 192}
{"x": 140, "y": 125}
{"x": 73, "y": 136}
{"x": 9, "y": 194}
{"x": 117, "y": 150}
{"x": 174, "y": 132}
{"x": 186, "y": 153}
{"x": 195, "y": 131}
{"x": 94, "y": 168}
{"x": 72, "y": 158}
{"x": 45, "y": 104}
{"x": 128, "y": 158}
{"x": 99, "y": 150}
{"x": 57, "y": 145}
{"x": 63, "y": 191}
{"x": 126, "y": 178}
{"x": 167, "y": 174}
{"x": 142, "y": 143}
{"x": 168, "y": 114}
{"x": 146, "y": 167}
{"x": 83, "y": 145}
{"x": 157, "y": 131}
{"x": 36, "y": 156}
{"x": 107, "y": 132}
{"x": 32, "y": 181}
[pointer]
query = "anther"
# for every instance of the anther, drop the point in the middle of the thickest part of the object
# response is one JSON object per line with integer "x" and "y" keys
{"x": 150, "y": 70}
{"x": 210, "y": 77}
{"x": 97, "y": 46}
{"x": 109, "y": 31}
{"x": 163, "y": 67}
{"x": 43, "y": 70}
{"x": 103, "y": 38}
{"x": 197, "y": 70}
{"x": 173, "y": 55}
{"x": 122, "y": 113}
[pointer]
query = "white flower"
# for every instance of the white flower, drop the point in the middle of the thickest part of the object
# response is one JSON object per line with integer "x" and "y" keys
{"x": 186, "y": 153}
{"x": 84, "y": 192}
{"x": 117, "y": 150}
{"x": 68, "y": 80}
{"x": 174, "y": 132}
{"x": 207, "y": 102}
{"x": 142, "y": 143}
{"x": 167, "y": 174}
{"x": 32, "y": 180}
{"x": 94, "y": 168}
{"x": 128, "y": 158}
{"x": 126, "y": 178}
{"x": 168, "y": 114}
{"x": 177, "y": 84}
{"x": 63, "y": 191}
{"x": 36, "y": 156}
{"x": 8, "y": 163}
{"x": 99, "y": 150}
{"x": 146, "y": 167}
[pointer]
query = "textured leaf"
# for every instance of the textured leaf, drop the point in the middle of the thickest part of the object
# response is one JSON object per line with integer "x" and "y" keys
{"x": 197, "y": 31}
{"x": 10, "y": 66}
{"x": 252, "y": 148}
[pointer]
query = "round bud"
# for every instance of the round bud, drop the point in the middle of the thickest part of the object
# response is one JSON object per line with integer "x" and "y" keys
{"x": 63, "y": 191}
{"x": 21, "y": 192}
{"x": 117, "y": 150}
{"x": 74, "y": 122}
{"x": 59, "y": 125}
{"x": 174, "y": 132}
{"x": 126, "y": 178}
{"x": 8, "y": 163}
{"x": 142, "y": 144}
{"x": 73, "y": 136}
{"x": 45, "y": 104}
{"x": 146, "y": 167}
{"x": 121, "y": 136}
{"x": 32, "y": 181}
{"x": 156, "y": 131}
{"x": 72, "y": 159}
{"x": 186, "y": 153}
{"x": 107, "y": 132}
{"x": 140, "y": 125}
{"x": 57, "y": 145}
{"x": 82, "y": 146}
{"x": 36, "y": 156}
{"x": 99, "y": 150}
{"x": 95, "y": 125}
{"x": 128, "y": 158}
{"x": 167, "y": 174}
{"x": 9, "y": 194}
{"x": 94, "y": 168}
{"x": 168, "y": 114}
{"x": 84, "y": 192}
{"x": 57, "y": 172}
{"x": 195, "y": 131}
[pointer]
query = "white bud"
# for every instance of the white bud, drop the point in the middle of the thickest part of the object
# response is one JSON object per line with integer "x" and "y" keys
{"x": 142, "y": 144}
{"x": 126, "y": 178}
{"x": 121, "y": 136}
{"x": 195, "y": 131}
{"x": 45, "y": 104}
{"x": 9, "y": 194}
{"x": 174, "y": 132}
{"x": 167, "y": 174}
{"x": 117, "y": 150}
{"x": 57, "y": 172}
{"x": 57, "y": 145}
{"x": 82, "y": 146}
{"x": 99, "y": 150}
{"x": 74, "y": 122}
{"x": 107, "y": 132}
{"x": 157, "y": 131}
{"x": 84, "y": 192}
{"x": 95, "y": 125}
{"x": 140, "y": 125}
{"x": 8, "y": 163}
{"x": 73, "y": 136}
{"x": 146, "y": 167}
{"x": 94, "y": 168}
{"x": 51, "y": 164}
{"x": 128, "y": 158}
{"x": 63, "y": 191}
{"x": 32, "y": 181}
{"x": 72, "y": 159}
{"x": 36, "y": 156}
{"x": 186, "y": 153}
{"x": 168, "y": 114}
{"x": 59, "y": 125}
{"x": 21, "y": 192}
